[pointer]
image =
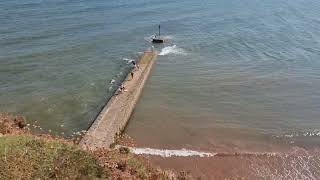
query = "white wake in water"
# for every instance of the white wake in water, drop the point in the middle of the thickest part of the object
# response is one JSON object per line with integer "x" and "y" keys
{"x": 172, "y": 50}
{"x": 128, "y": 60}
{"x": 188, "y": 153}
{"x": 169, "y": 153}
{"x": 167, "y": 37}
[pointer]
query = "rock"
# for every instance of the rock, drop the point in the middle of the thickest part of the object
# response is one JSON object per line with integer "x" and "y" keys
{"x": 124, "y": 150}
{"x": 20, "y": 122}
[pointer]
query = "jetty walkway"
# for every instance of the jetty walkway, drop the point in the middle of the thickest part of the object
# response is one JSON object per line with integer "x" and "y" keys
{"x": 116, "y": 114}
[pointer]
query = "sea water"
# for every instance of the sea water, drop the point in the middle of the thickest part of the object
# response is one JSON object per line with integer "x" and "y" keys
{"x": 233, "y": 75}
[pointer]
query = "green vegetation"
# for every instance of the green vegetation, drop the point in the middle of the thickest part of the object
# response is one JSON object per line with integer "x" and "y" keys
{"x": 139, "y": 166}
{"x": 24, "y": 155}
{"x": 27, "y": 157}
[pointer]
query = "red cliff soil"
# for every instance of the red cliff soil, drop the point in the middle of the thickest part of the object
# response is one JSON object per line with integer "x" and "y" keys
{"x": 40, "y": 153}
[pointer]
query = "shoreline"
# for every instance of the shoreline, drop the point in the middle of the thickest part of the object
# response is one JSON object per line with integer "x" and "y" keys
{"x": 114, "y": 116}
{"x": 25, "y": 155}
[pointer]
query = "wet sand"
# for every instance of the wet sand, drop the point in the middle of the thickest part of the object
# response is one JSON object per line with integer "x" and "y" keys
{"x": 115, "y": 115}
{"x": 297, "y": 164}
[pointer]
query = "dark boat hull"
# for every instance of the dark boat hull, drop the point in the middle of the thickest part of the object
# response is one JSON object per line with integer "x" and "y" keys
{"x": 157, "y": 41}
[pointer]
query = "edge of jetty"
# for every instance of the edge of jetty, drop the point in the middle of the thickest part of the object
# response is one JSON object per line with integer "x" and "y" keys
{"x": 115, "y": 115}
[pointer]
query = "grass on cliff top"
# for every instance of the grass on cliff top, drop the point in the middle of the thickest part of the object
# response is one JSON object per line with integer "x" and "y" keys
{"x": 27, "y": 157}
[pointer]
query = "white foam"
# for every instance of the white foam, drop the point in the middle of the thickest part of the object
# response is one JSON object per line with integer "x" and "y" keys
{"x": 128, "y": 60}
{"x": 297, "y": 164}
{"x": 149, "y": 38}
{"x": 169, "y": 152}
{"x": 310, "y": 133}
{"x": 187, "y": 152}
{"x": 172, "y": 50}
{"x": 112, "y": 81}
{"x": 166, "y": 37}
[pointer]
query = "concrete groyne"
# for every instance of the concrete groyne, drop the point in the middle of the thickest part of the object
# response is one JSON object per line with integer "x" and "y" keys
{"x": 116, "y": 114}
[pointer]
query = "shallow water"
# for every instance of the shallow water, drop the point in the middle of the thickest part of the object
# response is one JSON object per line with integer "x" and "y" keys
{"x": 234, "y": 76}
{"x": 240, "y": 74}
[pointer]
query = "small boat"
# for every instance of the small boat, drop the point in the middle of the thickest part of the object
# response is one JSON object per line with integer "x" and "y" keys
{"x": 157, "y": 39}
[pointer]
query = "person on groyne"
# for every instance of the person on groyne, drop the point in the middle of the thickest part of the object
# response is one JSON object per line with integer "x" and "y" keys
{"x": 115, "y": 115}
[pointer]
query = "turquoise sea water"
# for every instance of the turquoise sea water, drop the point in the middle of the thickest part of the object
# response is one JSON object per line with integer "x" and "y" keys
{"x": 235, "y": 75}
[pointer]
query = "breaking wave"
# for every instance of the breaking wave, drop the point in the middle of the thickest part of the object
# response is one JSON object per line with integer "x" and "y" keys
{"x": 188, "y": 153}
{"x": 169, "y": 153}
{"x": 171, "y": 50}
{"x": 297, "y": 163}
{"x": 128, "y": 60}
{"x": 311, "y": 133}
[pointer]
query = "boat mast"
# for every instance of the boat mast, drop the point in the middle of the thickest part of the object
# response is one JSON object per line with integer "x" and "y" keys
{"x": 158, "y": 39}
